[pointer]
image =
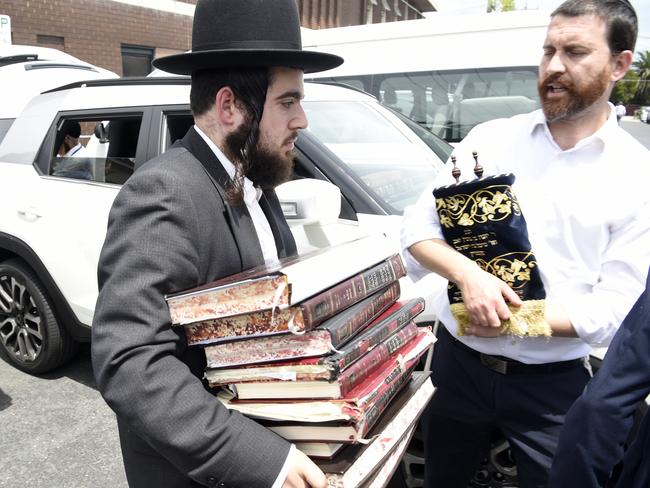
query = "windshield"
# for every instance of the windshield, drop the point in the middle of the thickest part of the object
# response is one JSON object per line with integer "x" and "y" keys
{"x": 394, "y": 163}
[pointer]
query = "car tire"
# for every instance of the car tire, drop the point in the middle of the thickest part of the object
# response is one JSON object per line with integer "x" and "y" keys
{"x": 31, "y": 337}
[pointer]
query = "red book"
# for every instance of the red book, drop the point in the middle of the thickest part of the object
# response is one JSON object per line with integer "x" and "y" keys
{"x": 303, "y": 316}
{"x": 380, "y": 377}
{"x": 318, "y": 342}
{"x": 363, "y": 464}
{"x": 291, "y": 281}
{"x": 315, "y": 369}
{"x": 350, "y": 419}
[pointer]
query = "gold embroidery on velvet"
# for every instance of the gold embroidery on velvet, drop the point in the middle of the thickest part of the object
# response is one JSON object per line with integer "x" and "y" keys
{"x": 493, "y": 203}
{"x": 514, "y": 268}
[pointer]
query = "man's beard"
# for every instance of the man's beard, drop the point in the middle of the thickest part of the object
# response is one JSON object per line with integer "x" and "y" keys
{"x": 265, "y": 168}
{"x": 576, "y": 99}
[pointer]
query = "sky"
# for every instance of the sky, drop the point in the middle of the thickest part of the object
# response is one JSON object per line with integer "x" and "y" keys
{"x": 642, "y": 8}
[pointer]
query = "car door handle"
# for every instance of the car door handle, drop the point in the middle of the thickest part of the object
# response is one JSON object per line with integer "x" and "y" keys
{"x": 30, "y": 214}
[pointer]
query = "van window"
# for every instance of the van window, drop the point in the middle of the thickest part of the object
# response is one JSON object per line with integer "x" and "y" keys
{"x": 450, "y": 103}
{"x": 101, "y": 150}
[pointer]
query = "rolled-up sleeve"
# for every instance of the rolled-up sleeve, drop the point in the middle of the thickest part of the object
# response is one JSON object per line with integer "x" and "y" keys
{"x": 596, "y": 316}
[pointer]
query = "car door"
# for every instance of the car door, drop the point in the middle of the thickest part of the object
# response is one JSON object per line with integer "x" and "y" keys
{"x": 74, "y": 193}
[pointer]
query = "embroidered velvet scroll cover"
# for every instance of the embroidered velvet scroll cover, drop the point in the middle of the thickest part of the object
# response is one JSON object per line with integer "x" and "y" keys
{"x": 482, "y": 220}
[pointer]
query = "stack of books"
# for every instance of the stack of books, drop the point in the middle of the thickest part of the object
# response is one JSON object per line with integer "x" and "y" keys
{"x": 319, "y": 349}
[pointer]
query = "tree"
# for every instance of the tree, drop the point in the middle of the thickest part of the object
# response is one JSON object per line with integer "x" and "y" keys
{"x": 626, "y": 89}
{"x": 500, "y": 5}
{"x": 642, "y": 68}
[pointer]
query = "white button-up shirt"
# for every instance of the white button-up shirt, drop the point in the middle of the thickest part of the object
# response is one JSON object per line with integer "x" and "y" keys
{"x": 588, "y": 215}
{"x": 251, "y": 199}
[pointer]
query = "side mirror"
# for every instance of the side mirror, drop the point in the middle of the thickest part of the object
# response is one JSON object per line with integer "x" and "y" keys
{"x": 307, "y": 201}
{"x": 312, "y": 209}
{"x": 101, "y": 133}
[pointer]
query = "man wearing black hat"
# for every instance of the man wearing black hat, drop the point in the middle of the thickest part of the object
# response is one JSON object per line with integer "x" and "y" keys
{"x": 203, "y": 210}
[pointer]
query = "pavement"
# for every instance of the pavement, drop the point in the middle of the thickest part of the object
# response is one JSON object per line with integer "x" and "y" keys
{"x": 56, "y": 431}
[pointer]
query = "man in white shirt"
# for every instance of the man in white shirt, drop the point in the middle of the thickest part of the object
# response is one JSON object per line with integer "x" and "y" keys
{"x": 203, "y": 210}
{"x": 581, "y": 184}
{"x": 70, "y": 132}
{"x": 620, "y": 111}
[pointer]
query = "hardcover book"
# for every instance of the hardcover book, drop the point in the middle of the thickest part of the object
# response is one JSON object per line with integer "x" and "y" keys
{"x": 317, "y": 342}
{"x": 279, "y": 286}
{"x": 315, "y": 369}
{"x": 358, "y": 464}
{"x": 362, "y": 393}
{"x": 368, "y": 287}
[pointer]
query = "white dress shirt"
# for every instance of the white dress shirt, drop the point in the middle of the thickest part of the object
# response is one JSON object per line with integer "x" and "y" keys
{"x": 588, "y": 215}
{"x": 74, "y": 151}
{"x": 267, "y": 243}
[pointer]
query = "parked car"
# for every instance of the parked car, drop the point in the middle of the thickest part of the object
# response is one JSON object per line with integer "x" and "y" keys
{"x": 53, "y": 210}
{"x": 26, "y": 71}
{"x": 644, "y": 114}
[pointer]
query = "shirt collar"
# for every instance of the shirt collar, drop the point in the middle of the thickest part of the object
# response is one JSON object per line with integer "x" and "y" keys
{"x": 250, "y": 191}
{"x": 538, "y": 122}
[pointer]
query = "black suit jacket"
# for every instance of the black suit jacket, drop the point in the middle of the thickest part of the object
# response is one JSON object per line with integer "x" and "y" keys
{"x": 170, "y": 229}
{"x": 597, "y": 425}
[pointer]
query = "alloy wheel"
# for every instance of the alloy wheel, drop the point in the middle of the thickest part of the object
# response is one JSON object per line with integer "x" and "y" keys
{"x": 21, "y": 326}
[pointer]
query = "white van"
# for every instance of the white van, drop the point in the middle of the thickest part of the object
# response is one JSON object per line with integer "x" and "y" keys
{"x": 447, "y": 73}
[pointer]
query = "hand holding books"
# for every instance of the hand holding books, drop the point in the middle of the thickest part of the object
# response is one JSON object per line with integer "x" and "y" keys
{"x": 482, "y": 220}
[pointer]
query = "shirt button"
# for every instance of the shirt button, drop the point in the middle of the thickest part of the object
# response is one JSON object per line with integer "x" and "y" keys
{"x": 212, "y": 481}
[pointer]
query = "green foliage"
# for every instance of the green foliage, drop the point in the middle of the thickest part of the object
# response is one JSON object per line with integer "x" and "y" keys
{"x": 626, "y": 89}
{"x": 642, "y": 68}
{"x": 500, "y": 5}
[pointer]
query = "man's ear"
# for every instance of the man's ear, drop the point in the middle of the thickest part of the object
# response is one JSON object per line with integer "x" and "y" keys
{"x": 227, "y": 108}
{"x": 622, "y": 63}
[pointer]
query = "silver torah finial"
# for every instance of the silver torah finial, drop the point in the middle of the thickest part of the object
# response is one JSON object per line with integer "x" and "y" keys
{"x": 455, "y": 172}
{"x": 478, "y": 169}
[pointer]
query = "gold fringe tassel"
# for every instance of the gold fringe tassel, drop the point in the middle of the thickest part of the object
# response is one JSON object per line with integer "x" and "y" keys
{"x": 527, "y": 320}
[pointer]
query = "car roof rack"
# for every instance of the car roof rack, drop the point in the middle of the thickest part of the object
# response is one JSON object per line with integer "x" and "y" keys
{"x": 129, "y": 81}
{"x": 47, "y": 65}
{"x": 17, "y": 58}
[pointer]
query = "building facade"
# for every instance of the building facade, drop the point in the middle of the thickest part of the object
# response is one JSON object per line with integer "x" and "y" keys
{"x": 124, "y": 36}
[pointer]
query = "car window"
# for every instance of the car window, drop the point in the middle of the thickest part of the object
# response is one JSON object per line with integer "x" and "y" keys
{"x": 4, "y": 127}
{"x": 378, "y": 147}
{"x": 95, "y": 149}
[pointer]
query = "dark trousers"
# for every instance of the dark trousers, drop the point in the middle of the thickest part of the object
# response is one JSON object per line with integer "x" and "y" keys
{"x": 471, "y": 400}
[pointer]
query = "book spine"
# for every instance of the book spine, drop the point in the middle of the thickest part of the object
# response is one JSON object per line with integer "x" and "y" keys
{"x": 394, "y": 383}
{"x": 347, "y": 293}
{"x": 362, "y": 368}
{"x": 344, "y": 325}
{"x": 377, "y": 333}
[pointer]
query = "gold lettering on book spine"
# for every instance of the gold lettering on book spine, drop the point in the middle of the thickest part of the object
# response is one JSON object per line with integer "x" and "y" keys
{"x": 493, "y": 203}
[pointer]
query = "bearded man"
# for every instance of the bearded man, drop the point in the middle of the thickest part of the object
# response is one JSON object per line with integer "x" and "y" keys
{"x": 581, "y": 182}
{"x": 203, "y": 210}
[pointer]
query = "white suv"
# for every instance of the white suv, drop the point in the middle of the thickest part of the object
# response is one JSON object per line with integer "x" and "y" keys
{"x": 54, "y": 210}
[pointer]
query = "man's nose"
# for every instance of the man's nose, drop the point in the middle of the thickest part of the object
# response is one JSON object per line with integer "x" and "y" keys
{"x": 556, "y": 64}
{"x": 300, "y": 119}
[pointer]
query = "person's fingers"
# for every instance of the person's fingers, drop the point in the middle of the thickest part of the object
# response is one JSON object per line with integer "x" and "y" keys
{"x": 510, "y": 296}
{"x": 492, "y": 317}
{"x": 304, "y": 473}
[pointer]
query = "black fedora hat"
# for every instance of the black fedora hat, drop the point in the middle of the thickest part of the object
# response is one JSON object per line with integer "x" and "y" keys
{"x": 246, "y": 33}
